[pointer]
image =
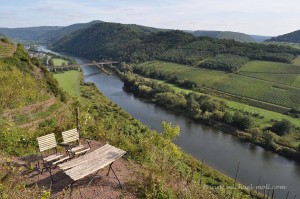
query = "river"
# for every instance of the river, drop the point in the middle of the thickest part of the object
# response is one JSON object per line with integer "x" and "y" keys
{"x": 217, "y": 149}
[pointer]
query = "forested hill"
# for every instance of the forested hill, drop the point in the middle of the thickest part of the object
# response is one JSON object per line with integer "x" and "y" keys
{"x": 241, "y": 37}
{"x": 293, "y": 37}
{"x": 27, "y": 34}
{"x": 51, "y": 34}
{"x": 125, "y": 43}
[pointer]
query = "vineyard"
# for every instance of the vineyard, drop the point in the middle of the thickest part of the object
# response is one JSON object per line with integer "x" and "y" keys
{"x": 277, "y": 84}
{"x": 6, "y": 49}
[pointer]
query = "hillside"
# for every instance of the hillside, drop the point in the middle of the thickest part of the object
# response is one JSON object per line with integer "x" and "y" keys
{"x": 27, "y": 34}
{"x": 51, "y": 34}
{"x": 241, "y": 37}
{"x": 55, "y": 35}
{"x": 293, "y": 37}
{"x": 6, "y": 48}
{"x": 127, "y": 43}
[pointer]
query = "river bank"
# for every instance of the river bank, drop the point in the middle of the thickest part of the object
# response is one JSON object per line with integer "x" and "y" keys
{"x": 239, "y": 123}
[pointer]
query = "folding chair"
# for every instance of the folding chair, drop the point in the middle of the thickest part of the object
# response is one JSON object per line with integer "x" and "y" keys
{"x": 48, "y": 143}
{"x": 73, "y": 146}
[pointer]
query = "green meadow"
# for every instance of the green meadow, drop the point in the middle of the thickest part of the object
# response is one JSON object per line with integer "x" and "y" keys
{"x": 68, "y": 80}
{"x": 59, "y": 62}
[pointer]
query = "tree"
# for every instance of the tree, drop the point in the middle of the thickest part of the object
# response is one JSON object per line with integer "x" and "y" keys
{"x": 192, "y": 105}
{"x": 268, "y": 138}
{"x": 228, "y": 117}
{"x": 170, "y": 132}
{"x": 255, "y": 132}
{"x": 281, "y": 127}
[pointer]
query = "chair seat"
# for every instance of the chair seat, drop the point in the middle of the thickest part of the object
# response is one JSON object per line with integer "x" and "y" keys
{"x": 82, "y": 151}
{"x": 52, "y": 157}
{"x": 77, "y": 148}
{"x": 61, "y": 160}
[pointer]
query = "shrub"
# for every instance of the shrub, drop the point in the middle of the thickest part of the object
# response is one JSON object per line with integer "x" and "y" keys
{"x": 281, "y": 127}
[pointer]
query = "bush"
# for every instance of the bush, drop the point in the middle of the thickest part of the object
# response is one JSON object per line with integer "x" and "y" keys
{"x": 281, "y": 127}
{"x": 268, "y": 138}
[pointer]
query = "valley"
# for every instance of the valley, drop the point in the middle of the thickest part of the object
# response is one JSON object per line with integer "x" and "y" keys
{"x": 230, "y": 96}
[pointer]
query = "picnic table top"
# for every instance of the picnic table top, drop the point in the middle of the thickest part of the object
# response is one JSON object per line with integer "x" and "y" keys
{"x": 91, "y": 162}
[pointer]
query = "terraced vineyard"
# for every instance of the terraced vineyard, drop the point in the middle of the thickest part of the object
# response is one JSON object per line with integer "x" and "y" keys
{"x": 6, "y": 49}
{"x": 270, "y": 82}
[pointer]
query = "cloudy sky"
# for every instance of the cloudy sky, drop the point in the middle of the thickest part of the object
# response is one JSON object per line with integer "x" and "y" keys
{"x": 264, "y": 17}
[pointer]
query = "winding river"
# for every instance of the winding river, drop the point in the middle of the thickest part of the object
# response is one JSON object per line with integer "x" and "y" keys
{"x": 217, "y": 149}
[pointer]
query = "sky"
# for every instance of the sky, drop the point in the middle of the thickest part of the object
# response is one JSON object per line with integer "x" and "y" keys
{"x": 260, "y": 17}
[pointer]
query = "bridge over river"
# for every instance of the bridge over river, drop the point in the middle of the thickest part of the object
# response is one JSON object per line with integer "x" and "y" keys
{"x": 100, "y": 64}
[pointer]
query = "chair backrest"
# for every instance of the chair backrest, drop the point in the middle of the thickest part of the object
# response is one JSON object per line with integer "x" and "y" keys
{"x": 70, "y": 136}
{"x": 47, "y": 142}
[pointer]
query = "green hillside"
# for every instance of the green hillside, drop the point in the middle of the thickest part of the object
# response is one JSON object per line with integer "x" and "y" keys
{"x": 27, "y": 34}
{"x": 293, "y": 37}
{"x": 127, "y": 43}
{"x": 54, "y": 35}
{"x": 241, "y": 37}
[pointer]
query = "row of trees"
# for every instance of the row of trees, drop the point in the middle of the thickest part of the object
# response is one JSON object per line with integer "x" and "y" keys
{"x": 196, "y": 106}
{"x": 226, "y": 62}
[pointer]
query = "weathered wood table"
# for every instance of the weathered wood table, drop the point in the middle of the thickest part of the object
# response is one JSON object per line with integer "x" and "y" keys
{"x": 92, "y": 162}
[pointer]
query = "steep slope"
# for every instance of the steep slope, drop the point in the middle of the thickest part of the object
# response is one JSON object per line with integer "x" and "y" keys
{"x": 27, "y": 34}
{"x": 241, "y": 37}
{"x": 293, "y": 37}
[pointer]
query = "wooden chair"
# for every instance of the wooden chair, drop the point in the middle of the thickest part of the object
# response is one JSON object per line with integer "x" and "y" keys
{"x": 71, "y": 141}
{"x": 48, "y": 143}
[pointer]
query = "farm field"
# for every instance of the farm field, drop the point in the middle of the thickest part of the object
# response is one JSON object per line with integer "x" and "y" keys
{"x": 198, "y": 75}
{"x": 275, "y": 89}
{"x": 59, "y": 62}
{"x": 68, "y": 80}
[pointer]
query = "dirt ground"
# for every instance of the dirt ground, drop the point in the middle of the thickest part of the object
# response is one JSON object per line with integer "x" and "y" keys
{"x": 101, "y": 187}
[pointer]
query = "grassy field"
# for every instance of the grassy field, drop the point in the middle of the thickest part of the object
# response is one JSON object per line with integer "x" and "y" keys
{"x": 59, "y": 62}
{"x": 258, "y": 80}
{"x": 270, "y": 67}
{"x": 68, "y": 81}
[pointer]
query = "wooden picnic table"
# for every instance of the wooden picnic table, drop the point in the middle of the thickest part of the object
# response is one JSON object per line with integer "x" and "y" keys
{"x": 91, "y": 162}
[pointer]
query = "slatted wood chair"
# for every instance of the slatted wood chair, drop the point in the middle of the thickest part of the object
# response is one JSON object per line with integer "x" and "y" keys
{"x": 71, "y": 141}
{"x": 49, "y": 154}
